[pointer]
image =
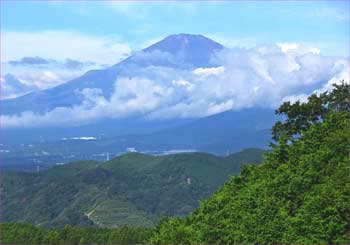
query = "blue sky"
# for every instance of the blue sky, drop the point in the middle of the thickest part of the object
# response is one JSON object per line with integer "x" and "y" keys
{"x": 323, "y": 24}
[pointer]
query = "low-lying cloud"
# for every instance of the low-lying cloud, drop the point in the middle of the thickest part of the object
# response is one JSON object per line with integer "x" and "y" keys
{"x": 28, "y": 61}
{"x": 262, "y": 76}
{"x": 39, "y": 62}
{"x": 11, "y": 87}
{"x": 39, "y": 73}
{"x": 49, "y": 58}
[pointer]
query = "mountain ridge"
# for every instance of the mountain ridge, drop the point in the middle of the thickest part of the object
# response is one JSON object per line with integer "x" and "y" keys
{"x": 198, "y": 51}
{"x": 134, "y": 189}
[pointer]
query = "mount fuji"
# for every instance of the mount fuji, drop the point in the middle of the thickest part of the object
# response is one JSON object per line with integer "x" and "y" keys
{"x": 183, "y": 52}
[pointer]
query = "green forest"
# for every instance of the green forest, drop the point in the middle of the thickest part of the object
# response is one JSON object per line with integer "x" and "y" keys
{"x": 133, "y": 189}
{"x": 299, "y": 194}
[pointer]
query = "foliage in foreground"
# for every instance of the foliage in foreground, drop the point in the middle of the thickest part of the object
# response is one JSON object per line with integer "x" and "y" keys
{"x": 300, "y": 194}
{"x": 17, "y": 233}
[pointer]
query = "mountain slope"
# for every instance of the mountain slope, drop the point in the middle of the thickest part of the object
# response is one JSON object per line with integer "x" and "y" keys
{"x": 132, "y": 189}
{"x": 223, "y": 132}
{"x": 227, "y": 131}
{"x": 182, "y": 51}
{"x": 299, "y": 195}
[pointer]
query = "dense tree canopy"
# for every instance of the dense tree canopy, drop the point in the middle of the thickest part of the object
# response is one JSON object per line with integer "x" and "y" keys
{"x": 133, "y": 189}
{"x": 300, "y": 194}
{"x": 18, "y": 233}
{"x": 300, "y": 116}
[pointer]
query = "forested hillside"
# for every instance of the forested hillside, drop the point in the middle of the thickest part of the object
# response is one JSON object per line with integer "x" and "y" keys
{"x": 300, "y": 194}
{"x": 17, "y": 233}
{"x": 133, "y": 189}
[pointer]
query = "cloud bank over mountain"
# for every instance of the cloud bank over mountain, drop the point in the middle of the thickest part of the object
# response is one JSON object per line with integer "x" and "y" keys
{"x": 45, "y": 63}
{"x": 262, "y": 76}
{"x": 37, "y": 73}
{"x": 60, "y": 45}
{"x": 11, "y": 87}
{"x": 49, "y": 58}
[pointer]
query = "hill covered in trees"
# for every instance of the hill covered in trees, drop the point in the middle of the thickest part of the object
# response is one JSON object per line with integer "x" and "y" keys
{"x": 300, "y": 194}
{"x": 133, "y": 189}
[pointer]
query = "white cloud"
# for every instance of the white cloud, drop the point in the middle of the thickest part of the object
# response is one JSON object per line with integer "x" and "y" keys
{"x": 260, "y": 76}
{"x": 204, "y": 72}
{"x": 294, "y": 98}
{"x": 60, "y": 45}
{"x": 131, "y": 96}
{"x": 183, "y": 83}
{"x": 288, "y": 47}
{"x": 43, "y": 77}
{"x": 63, "y": 55}
{"x": 12, "y": 87}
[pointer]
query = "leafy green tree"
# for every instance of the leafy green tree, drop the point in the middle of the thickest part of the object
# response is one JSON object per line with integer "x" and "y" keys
{"x": 300, "y": 116}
